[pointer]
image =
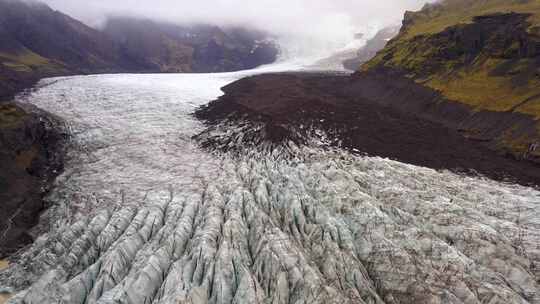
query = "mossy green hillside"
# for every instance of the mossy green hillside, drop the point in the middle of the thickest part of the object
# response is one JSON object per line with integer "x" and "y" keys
{"x": 484, "y": 53}
{"x": 11, "y": 115}
{"x": 434, "y": 18}
{"x": 27, "y": 61}
{"x": 481, "y": 53}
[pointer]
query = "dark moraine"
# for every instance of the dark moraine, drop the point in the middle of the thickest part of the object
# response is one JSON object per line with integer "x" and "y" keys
{"x": 31, "y": 156}
{"x": 393, "y": 126}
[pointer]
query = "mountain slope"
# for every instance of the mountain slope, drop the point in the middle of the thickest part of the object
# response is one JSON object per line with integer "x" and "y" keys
{"x": 37, "y": 42}
{"x": 166, "y": 47}
{"x": 40, "y": 36}
{"x": 40, "y": 42}
{"x": 481, "y": 54}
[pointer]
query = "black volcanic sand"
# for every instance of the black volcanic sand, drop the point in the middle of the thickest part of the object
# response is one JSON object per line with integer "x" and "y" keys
{"x": 285, "y": 101}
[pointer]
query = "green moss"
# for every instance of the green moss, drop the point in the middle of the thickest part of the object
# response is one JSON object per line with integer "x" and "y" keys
{"x": 436, "y": 18}
{"x": 485, "y": 92}
{"x": 493, "y": 80}
{"x": 27, "y": 61}
{"x": 532, "y": 107}
{"x": 501, "y": 74}
{"x": 17, "y": 67}
{"x": 11, "y": 115}
{"x": 517, "y": 145}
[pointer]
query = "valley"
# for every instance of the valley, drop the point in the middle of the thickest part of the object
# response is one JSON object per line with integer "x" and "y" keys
{"x": 148, "y": 161}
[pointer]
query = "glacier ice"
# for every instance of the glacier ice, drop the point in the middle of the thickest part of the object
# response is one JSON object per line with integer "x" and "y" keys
{"x": 142, "y": 215}
{"x": 332, "y": 229}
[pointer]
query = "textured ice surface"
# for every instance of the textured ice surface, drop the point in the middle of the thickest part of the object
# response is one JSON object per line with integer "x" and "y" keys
{"x": 142, "y": 215}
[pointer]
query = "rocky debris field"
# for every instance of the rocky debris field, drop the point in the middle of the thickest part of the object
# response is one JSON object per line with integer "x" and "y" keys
{"x": 358, "y": 114}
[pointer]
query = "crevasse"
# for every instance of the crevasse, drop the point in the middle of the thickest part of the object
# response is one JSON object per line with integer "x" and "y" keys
{"x": 143, "y": 215}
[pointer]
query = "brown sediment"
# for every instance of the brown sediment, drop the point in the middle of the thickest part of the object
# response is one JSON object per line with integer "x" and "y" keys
{"x": 376, "y": 114}
{"x": 4, "y": 296}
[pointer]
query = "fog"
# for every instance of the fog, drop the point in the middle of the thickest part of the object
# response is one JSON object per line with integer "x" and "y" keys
{"x": 322, "y": 24}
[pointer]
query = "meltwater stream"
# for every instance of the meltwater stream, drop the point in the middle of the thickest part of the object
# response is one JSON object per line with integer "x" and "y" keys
{"x": 142, "y": 215}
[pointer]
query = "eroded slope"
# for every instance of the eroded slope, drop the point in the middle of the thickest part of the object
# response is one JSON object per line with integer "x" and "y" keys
{"x": 483, "y": 54}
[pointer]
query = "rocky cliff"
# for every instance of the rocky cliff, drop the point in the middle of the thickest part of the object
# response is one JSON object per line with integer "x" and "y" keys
{"x": 31, "y": 156}
{"x": 482, "y": 58}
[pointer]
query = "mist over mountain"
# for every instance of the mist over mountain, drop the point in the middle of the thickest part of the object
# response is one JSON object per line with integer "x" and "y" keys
{"x": 309, "y": 25}
{"x": 167, "y": 47}
{"x": 38, "y": 41}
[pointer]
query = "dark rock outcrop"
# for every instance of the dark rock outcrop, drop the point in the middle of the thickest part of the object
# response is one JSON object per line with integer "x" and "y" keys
{"x": 31, "y": 156}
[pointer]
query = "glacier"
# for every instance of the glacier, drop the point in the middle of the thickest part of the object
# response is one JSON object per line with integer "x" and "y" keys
{"x": 142, "y": 214}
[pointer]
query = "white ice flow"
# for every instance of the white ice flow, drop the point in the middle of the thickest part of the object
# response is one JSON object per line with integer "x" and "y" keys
{"x": 143, "y": 215}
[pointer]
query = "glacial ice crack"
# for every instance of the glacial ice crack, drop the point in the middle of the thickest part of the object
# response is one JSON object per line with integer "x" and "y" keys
{"x": 142, "y": 215}
{"x": 335, "y": 229}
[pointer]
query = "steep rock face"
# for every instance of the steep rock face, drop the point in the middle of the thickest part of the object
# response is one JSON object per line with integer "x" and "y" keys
{"x": 31, "y": 155}
{"x": 482, "y": 54}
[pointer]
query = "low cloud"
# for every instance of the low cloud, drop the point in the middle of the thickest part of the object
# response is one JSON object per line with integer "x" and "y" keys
{"x": 326, "y": 22}
{"x": 278, "y": 16}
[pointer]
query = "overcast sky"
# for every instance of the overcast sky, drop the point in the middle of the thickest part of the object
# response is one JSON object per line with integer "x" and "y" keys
{"x": 277, "y": 15}
{"x": 332, "y": 21}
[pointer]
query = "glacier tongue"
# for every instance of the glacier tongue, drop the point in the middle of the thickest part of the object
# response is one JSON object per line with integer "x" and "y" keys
{"x": 142, "y": 215}
{"x": 333, "y": 229}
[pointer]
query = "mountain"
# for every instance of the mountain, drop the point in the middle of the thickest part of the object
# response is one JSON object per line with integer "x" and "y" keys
{"x": 37, "y": 41}
{"x": 478, "y": 64}
{"x": 168, "y": 47}
{"x": 36, "y": 37}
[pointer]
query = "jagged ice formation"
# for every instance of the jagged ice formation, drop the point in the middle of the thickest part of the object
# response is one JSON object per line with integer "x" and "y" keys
{"x": 323, "y": 226}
